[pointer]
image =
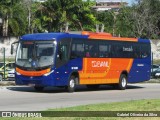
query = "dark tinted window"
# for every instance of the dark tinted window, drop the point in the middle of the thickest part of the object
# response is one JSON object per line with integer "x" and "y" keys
{"x": 104, "y": 49}
{"x": 91, "y": 49}
{"x": 78, "y": 49}
{"x": 145, "y": 50}
{"x": 112, "y": 49}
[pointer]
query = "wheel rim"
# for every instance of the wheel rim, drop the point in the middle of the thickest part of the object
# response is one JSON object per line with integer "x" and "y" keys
{"x": 124, "y": 82}
{"x": 72, "y": 83}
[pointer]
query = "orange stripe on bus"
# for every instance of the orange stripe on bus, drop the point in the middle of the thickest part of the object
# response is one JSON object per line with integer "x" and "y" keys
{"x": 106, "y": 36}
{"x": 33, "y": 73}
{"x": 103, "y": 70}
{"x": 112, "y": 38}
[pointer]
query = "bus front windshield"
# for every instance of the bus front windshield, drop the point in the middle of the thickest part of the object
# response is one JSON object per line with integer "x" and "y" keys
{"x": 35, "y": 54}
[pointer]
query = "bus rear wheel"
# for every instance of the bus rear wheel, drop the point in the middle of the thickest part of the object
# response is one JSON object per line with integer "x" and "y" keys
{"x": 122, "y": 82}
{"x": 71, "y": 84}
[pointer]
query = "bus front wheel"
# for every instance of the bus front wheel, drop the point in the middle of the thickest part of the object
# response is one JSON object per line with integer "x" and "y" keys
{"x": 71, "y": 84}
{"x": 122, "y": 82}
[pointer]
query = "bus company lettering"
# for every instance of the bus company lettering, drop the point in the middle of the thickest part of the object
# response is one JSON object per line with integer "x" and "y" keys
{"x": 129, "y": 49}
{"x": 100, "y": 64}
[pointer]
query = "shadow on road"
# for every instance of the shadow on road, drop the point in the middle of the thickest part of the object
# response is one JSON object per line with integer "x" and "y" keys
{"x": 63, "y": 90}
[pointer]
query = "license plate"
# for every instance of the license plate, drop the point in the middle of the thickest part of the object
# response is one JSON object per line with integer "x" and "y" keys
{"x": 11, "y": 75}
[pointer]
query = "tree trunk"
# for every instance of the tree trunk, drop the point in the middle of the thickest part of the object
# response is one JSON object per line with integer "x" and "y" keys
{"x": 80, "y": 24}
{"x": 66, "y": 27}
{"x": 97, "y": 28}
{"x": 5, "y": 26}
{"x": 29, "y": 20}
{"x": 102, "y": 28}
{"x": 61, "y": 29}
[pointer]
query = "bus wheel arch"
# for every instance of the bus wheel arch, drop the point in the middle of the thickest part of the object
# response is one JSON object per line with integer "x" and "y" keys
{"x": 76, "y": 75}
{"x": 73, "y": 81}
{"x": 123, "y": 80}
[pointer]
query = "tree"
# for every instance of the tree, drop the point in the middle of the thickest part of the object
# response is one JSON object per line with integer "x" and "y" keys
{"x": 106, "y": 18}
{"x": 57, "y": 15}
{"x": 13, "y": 15}
{"x": 145, "y": 15}
{"x": 124, "y": 23}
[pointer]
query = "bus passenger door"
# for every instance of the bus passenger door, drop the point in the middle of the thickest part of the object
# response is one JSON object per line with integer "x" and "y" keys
{"x": 62, "y": 59}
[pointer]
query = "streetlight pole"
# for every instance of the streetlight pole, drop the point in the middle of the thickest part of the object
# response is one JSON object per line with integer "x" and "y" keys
{"x": 4, "y": 60}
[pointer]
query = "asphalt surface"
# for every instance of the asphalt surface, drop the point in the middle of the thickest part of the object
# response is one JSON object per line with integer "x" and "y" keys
{"x": 22, "y": 98}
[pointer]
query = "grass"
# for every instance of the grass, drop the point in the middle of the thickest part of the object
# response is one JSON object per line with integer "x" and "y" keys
{"x": 137, "y": 105}
{"x": 140, "y": 105}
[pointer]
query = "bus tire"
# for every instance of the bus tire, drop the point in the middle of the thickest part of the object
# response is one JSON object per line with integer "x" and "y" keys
{"x": 71, "y": 84}
{"x": 122, "y": 82}
{"x": 38, "y": 88}
{"x": 1, "y": 77}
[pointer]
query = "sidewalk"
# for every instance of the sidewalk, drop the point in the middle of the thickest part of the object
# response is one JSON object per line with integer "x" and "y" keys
{"x": 7, "y": 83}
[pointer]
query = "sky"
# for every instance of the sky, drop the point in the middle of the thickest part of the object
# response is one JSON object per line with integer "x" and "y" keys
{"x": 130, "y": 2}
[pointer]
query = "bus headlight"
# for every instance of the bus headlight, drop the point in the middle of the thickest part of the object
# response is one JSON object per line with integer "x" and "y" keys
{"x": 48, "y": 73}
{"x": 18, "y": 73}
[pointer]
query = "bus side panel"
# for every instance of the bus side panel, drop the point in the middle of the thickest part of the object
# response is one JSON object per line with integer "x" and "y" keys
{"x": 103, "y": 70}
{"x": 140, "y": 70}
{"x": 64, "y": 72}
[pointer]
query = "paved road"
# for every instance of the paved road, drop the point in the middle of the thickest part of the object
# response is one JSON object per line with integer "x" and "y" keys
{"x": 21, "y": 98}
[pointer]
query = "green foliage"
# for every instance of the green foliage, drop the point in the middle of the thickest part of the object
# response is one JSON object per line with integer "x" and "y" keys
{"x": 146, "y": 18}
{"x": 26, "y": 16}
{"x": 56, "y": 14}
{"x": 13, "y": 16}
{"x": 124, "y": 23}
{"x": 106, "y": 18}
{"x": 134, "y": 105}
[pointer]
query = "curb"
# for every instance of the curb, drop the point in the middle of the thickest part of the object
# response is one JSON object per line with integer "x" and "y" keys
{"x": 12, "y": 83}
{"x": 7, "y": 83}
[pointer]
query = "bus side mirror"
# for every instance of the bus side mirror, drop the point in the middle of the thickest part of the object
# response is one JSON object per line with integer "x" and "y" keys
{"x": 12, "y": 47}
{"x": 59, "y": 56}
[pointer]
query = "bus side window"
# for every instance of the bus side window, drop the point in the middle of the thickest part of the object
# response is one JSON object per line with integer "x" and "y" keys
{"x": 63, "y": 52}
{"x": 145, "y": 51}
{"x": 136, "y": 50}
{"x": 104, "y": 50}
{"x": 91, "y": 49}
{"x": 144, "y": 55}
{"x": 77, "y": 49}
{"x": 87, "y": 54}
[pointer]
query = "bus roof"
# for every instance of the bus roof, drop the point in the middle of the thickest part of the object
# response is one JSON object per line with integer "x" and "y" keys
{"x": 107, "y": 36}
{"x": 50, "y": 36}
{"x": 85, "y": 34}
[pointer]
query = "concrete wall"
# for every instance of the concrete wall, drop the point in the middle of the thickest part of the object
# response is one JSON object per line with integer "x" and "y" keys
{"x": 6, "y": 43}
{"x": 155, "y": 46}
